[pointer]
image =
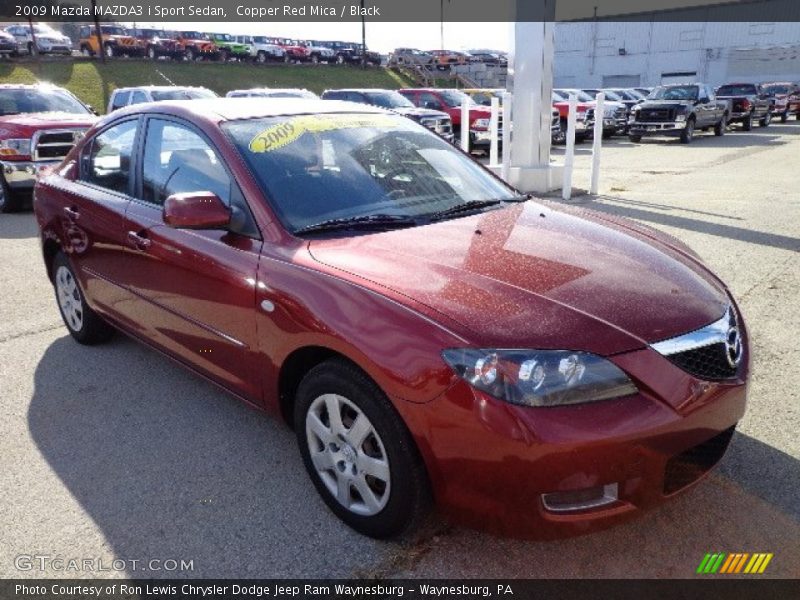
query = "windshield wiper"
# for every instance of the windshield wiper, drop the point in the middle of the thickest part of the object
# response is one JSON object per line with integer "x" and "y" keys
{"x": 472, "y": 205}
{"x": 379, "y": 221}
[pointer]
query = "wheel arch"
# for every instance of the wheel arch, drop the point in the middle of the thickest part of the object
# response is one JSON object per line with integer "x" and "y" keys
{"x": 50, "y": 249}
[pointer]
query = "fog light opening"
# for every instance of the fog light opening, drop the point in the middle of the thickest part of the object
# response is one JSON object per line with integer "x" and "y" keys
{"x": 583, "y": 499}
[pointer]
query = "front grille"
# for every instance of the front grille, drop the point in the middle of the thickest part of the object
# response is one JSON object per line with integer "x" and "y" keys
{"x": 440, "y": 126}
{"x": 707, "y": 362}
{"x": 687, "y": 467}
{"x": 55, "y": 144}
{"x": 656, "y": 114}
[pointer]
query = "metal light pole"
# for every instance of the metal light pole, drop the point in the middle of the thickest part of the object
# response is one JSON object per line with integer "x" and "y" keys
{"x": 100, "y": 49}
{"x": 363, "y": 37}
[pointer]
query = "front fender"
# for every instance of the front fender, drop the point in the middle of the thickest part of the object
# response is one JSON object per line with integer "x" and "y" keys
{"x": 393, "y": 343}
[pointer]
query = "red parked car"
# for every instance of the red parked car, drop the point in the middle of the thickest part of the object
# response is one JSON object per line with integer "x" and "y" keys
{"x": 425, "y": 329}
{"x": 39, "y": 124}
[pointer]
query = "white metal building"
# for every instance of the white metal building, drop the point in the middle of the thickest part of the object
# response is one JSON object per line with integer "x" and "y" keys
{"x": 629, "y": 54}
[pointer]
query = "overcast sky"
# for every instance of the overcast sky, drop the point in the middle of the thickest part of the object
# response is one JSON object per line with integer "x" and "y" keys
{"x": 383, "y": 37}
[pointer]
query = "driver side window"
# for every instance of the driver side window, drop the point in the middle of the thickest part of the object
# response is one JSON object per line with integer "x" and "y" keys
{"x": 178, "y": 160}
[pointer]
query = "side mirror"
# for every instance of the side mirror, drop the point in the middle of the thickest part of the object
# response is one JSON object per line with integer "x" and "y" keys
{"x": 196, "y": 210}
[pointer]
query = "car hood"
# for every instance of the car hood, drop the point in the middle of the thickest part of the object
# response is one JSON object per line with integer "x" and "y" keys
{"x": 665, "y": 103}
{"x": 47, "y": 120}
{"x": 528, "y": 275}
{"x": 418, "y": 113}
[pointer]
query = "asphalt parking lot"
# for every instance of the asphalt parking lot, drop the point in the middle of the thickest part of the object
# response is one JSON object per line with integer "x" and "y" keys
{"x": 114, "y": 452}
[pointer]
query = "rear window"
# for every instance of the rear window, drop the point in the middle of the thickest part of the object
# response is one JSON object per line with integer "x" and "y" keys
{"x": 736, "y": 90}
{"x": 182, "y": 94}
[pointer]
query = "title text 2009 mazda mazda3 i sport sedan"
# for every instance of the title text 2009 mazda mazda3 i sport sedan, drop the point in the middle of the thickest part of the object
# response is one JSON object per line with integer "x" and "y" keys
{"x": 427, "y": 331}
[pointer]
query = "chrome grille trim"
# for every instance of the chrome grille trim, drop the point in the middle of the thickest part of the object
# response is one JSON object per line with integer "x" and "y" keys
{"x": 714, "y": 333}
{"x": 40, "y": 140}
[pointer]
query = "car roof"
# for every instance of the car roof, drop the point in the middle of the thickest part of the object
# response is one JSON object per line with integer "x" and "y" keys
{"x": 360, "y": 90}
{"x": 233, "y": 109}
{"x": 31, "y": 86}
{"x": 154, "y": 88}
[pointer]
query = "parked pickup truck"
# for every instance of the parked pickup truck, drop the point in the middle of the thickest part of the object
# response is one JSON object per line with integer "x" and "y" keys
{"x": 449, "y": 101}
{"x": 679, "y": 110}
{"x": 39, "y": 124}
{"x": 784, "y": 98}
{"x": 749, "y": 102}
{"x": 435, "y": 120}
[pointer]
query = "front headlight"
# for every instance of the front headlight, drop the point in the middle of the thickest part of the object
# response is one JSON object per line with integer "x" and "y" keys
{"x": 540, "y": 377}
{"x": 680, "y": 118}
{"x": 15, "y": 147}
{"x": 481, "y": 123}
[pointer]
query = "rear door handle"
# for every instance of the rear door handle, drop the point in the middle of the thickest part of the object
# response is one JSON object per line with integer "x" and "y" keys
{"x": 72, "y": 213}
{"x": 139, "y": 241}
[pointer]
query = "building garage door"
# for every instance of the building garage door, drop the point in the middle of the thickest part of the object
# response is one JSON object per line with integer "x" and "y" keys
{"x": 621, "y": 81}
{"x": 679, "y": 77}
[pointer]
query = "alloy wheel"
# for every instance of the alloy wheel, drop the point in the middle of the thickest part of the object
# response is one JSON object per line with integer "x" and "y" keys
{"x": 69, "y": 298}
{"x": 348, "y": 454}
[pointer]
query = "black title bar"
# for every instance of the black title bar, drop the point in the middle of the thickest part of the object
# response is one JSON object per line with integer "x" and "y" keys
{"x": 402, "y": 10}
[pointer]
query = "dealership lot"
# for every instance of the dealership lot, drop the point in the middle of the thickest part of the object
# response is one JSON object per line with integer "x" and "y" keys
{"x": 114, "y": 452}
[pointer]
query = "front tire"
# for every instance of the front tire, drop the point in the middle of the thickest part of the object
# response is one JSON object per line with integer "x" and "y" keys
{"x": 190, "y": 54}
{"x": 635, "y": 138}
{"x": 110, "y": 51}
{"x": 358, "y": 452}
{"x": 747, "y": 124}
{"x": 9, "y": 202}
{"x": 83, "y": 324}
{"x": 151, "y": 53}
{"x": 687, "y": 135}
{"x": 766, "y": 120}
{"x": 261, "y": 57}
{"x": 784, "y": 116}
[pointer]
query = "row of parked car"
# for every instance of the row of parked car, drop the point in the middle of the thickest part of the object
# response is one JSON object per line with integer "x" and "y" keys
{"x": 117, "y": 40}
{"x": 681, "y": 109}
{"x": 675, "y": 110}
{"x": 445, "y": 59}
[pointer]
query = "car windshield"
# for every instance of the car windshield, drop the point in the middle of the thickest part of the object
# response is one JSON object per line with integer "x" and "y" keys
{"x": 624, "y": 95}
{"x": 676, "y": 92}
{"x": 454, "y": 98}
{"x": 317, "y": 168}
{"x": 13, "y": 102}
{"x": 736, "y": 90}
{"x": 225, "y": 37}
{"x": 389, "y": 100}
{"x": 776, "y": 89}
{"x": 581, "y": 95}
{"x": 182, "y": 94}
{"x": 194, "y": 35}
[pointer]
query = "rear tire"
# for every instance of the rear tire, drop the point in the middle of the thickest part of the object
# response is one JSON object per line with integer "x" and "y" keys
{"x": 358, "y": 452}
{"x": 190, "y": 54}
{"x": 261, "y": 57}
{"x": 151, "y": 53}
{"x": 719, "y": 127}
{"x": 766, "y": 120}
{"x": 110, "y": 51}
{"x": 83, "y": 324}
{"x": 747, "y": 124}
{"x": 784, "y": 116}
{"x": 86, "y": 51}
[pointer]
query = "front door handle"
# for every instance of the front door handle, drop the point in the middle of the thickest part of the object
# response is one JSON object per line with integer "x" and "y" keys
{"x": 72, "y": 213}
{"x": 139, "y": 241}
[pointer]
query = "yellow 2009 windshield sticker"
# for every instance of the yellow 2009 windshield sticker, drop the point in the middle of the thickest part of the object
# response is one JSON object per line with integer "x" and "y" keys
{"x": 282, "y": 134}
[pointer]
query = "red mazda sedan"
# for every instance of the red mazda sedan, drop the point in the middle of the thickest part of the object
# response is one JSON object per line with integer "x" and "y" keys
{"x": 427, "y": 331}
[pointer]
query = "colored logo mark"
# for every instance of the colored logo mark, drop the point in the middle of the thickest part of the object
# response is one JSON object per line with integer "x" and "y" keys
{"x": 735, "y": 562}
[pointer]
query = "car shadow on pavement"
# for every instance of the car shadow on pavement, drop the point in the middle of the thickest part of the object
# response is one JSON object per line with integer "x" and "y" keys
{"x": 622, "y": 207}
{"x": 170, "y": 467}
{"x": 18, "y": 226}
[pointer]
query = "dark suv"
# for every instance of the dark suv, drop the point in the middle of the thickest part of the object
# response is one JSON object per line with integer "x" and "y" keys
{"x": 435, "y": 120}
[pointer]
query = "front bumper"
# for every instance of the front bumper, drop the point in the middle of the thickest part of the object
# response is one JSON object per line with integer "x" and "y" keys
{"x": 502, "y": 467}
{"x": 659, "y": 128}
{"x": 21, "y": 175}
